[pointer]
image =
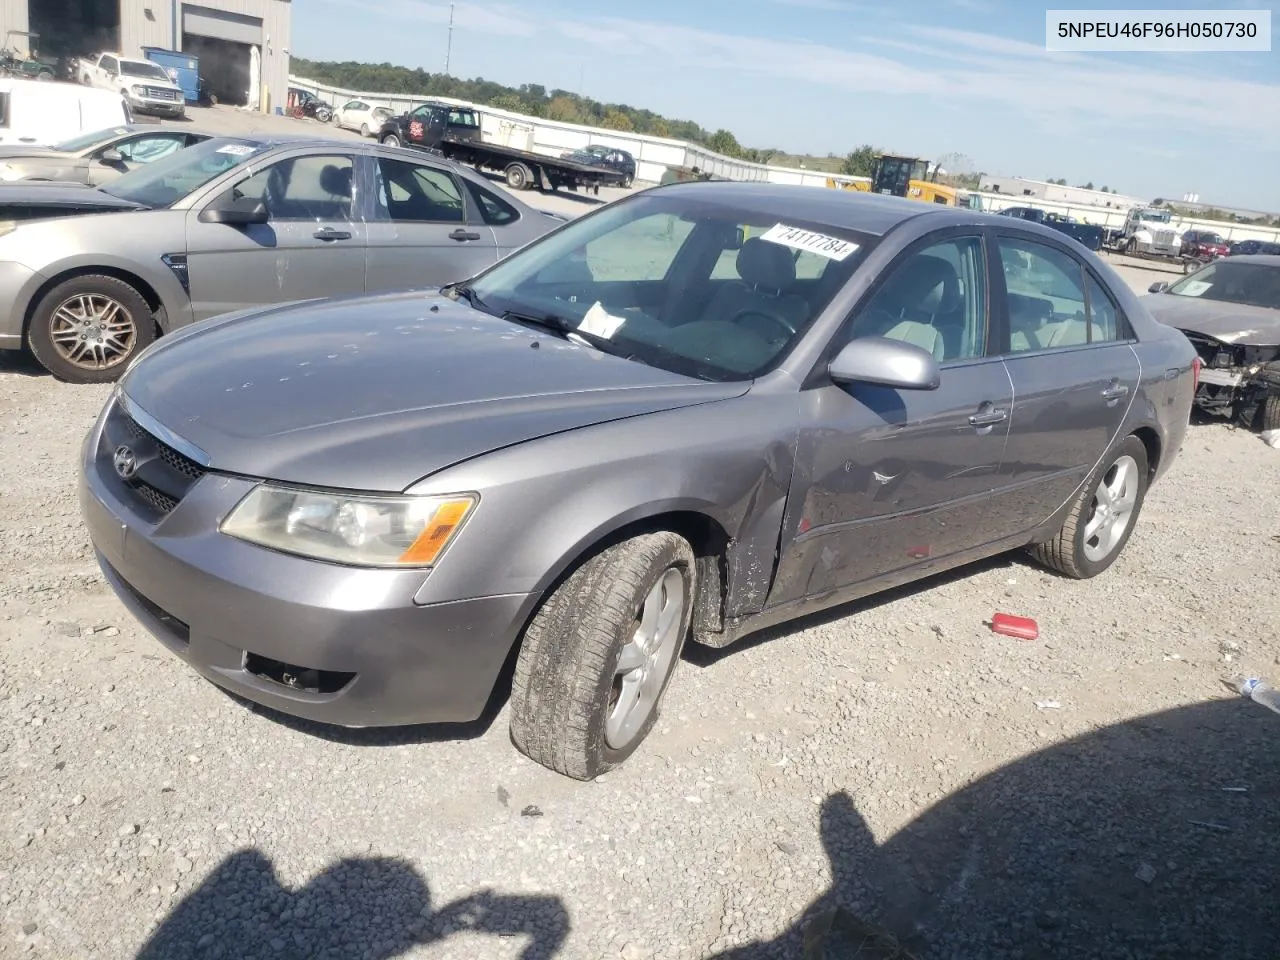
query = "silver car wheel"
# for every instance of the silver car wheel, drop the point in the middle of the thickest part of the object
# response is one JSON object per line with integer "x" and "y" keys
{"x": 93, "y": 331}
{"x": 1112, "y": 511}
{"x": 643, "y": 664}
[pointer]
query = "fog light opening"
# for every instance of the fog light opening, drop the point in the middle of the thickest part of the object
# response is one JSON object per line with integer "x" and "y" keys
{"x": 305, "y": 679}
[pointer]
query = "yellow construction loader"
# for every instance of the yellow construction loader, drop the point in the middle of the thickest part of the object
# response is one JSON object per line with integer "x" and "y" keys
{"x": 908, "y": 177}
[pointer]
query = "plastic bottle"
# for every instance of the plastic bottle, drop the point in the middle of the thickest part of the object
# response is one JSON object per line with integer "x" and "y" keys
{"x": 1261, "y": 692}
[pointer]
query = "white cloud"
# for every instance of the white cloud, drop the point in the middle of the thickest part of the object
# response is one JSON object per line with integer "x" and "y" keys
{"x": 495, "y": 18}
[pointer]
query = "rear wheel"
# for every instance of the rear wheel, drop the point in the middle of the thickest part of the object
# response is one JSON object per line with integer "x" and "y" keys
{"x": 1102, "y": 518}
{"x": 1267, "y": 416}
{"x": 391, "y": 140}
{"x": 364, "y": 129}
{"x": 597, "y": 657}
{"x": 87, "y": 329}
{"x": 518, "y": 176}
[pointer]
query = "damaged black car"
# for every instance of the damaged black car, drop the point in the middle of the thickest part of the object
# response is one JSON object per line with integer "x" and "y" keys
{"x": 1230, "y": 311}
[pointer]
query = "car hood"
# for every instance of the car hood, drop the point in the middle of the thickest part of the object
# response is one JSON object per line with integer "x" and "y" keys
{"x": 15, "y": 152}
{"x": 72, "y": 196}
{"x": 375, "y": 393}
{"x": 1228, "y": 322}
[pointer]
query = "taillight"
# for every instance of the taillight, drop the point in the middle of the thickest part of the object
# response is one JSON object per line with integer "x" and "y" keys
{"x": 1196, "y": 364}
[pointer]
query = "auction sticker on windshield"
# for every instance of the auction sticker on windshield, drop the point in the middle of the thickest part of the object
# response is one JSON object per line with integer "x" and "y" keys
{"x": 1194, "y": 288}
{"x": 833, "y": 248}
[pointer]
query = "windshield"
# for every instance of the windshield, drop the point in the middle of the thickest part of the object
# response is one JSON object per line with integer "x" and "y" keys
{"x": 1255, "y": 284}
{"x": 170, "y": 179}
{"x": 701, "y": 288}
{"x": 1155, "y": 216}
{"x": 87, "y": 140}
{"x": 139, "y": 68}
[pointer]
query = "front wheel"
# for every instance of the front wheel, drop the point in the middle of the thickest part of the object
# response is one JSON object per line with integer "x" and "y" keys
{"x": 1102, "y": 518}
{"x": 364, "y": 130}
{"x": 597, "y": 656}
{"x": 87, "y": 329}
{"x": 391, "y": 140}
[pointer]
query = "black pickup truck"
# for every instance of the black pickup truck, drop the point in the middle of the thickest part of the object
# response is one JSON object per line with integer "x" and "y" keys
{"x": 454, "y": 132}
{"x": 1088, "y": 234}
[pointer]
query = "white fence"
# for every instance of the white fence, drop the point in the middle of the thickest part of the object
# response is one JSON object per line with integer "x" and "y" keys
{"x": 552, "y": 138}
{"x": 655, "y": 154}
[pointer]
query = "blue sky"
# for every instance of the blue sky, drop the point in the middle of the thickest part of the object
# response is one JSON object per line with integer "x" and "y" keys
{"x": 926, "y": 78}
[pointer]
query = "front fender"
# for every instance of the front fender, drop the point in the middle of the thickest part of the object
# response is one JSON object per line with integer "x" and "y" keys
{"x": 544, "y": 504}
{"x": 159, "y": 282}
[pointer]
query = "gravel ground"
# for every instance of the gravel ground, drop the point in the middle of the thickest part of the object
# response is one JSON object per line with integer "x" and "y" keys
{"x": 1097, "y": 792}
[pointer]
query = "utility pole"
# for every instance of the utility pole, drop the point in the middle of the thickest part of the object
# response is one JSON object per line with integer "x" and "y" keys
{"x": 448, "y": 50}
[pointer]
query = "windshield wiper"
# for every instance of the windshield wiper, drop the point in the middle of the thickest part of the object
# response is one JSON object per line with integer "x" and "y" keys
{"x": 467, "y": 293}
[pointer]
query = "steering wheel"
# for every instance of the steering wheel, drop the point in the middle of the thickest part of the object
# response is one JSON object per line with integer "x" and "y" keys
{"x": 780, "y": 321}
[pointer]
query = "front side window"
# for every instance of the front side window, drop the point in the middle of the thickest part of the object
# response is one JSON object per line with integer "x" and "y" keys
{"x": 697, "y": 287}
{"x": 936, "y": 299}
{"x": 312, "y": 188}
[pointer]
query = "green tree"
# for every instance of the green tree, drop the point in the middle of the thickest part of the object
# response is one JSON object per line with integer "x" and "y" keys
{"x": 861, "y": 162}
{"x": 722, "y": 141}
{"x": 564, "y": 109}
{"x": 616, "y": 120}
{"x": 659, "y": 128}
{"x": 509, "y": 101}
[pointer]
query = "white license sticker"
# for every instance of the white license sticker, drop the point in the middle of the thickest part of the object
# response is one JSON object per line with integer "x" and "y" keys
{"x": 237, "y": 149}
{"x": 833, "y": 248}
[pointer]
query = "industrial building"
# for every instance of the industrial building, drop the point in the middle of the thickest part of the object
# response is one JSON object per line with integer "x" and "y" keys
{"x": 1059, "y": 193}
{"x": 220, "y": 33}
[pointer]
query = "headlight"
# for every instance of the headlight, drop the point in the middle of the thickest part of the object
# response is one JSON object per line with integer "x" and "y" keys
{"x": 363, "y": 531}
{"x": 138, "y": 89}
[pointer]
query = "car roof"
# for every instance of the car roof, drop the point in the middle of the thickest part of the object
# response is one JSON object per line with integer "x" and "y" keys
{"x": 1266, "y": 259}
{"x": 870, "y": 213}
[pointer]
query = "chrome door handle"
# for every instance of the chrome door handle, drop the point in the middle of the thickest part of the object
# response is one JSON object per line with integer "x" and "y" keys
{"x": 328, "y": 233}
{"x": 461, "y": 234}
{"x": 1115, "y": 391}
{"x": 987, "y": 419}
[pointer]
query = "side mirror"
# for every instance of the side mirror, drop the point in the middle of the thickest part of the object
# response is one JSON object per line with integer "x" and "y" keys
{"x": 237, "y": 213}
{"x": 1160, "y": 286}
{"x": 112, "y": 155}
{"x": 885, "y": 363}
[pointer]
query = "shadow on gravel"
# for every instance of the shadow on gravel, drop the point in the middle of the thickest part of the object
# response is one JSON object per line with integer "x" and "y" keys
{"x": 371, "y": 908}
{"x": 20, "y": 363}
{"x": 1158, "y": 837}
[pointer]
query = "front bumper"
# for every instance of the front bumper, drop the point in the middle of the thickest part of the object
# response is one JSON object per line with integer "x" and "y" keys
{"x": 145, "y": 104}
{"x": 360, "y": 651}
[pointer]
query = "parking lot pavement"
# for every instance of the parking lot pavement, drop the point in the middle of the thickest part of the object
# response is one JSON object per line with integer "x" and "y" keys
{"x": 1011, "y": 798}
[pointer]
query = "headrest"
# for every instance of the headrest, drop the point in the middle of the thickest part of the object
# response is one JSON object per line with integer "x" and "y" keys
{"x": 336, "y": 180}
{"x": 766, "y": 265}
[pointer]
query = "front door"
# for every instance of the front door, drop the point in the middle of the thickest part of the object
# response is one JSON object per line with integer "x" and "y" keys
{"x": 887, "y": 480}
{"x": 423, "y": 231}
{"x": 1074, "y": 377}
{"x": 312, "y": 246}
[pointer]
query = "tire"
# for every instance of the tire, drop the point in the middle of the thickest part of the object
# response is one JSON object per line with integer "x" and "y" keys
{"x": 364, "y": 130}
{"x": 626, "y": 183}
{"x": 1267, "y": 414}
{"x": 569, "y": 695}
{"x": 56, "y": 314}
{"x": 391, "y": 140}
{"x": 518, "y": 176}
{"x": 1069, "y": 553}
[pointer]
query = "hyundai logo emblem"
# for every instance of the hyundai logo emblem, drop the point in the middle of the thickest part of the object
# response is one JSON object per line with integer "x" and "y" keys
{"x": 125, "y": 461}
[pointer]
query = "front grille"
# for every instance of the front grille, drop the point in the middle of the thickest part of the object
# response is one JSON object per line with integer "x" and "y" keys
{"x": 161, "y": 93}
{"x": 163, "y": 475}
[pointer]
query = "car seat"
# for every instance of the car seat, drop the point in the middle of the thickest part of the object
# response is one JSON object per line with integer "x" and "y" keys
{"x": 760, "y": 299}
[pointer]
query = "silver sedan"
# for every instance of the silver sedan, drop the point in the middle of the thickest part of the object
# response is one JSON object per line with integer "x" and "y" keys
{"x": 697, "y": 412}
{"x": 94, "y": 158}
{"x": 239, "y": 222}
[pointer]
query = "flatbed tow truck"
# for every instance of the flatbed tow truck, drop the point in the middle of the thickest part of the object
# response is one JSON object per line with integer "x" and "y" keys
{"x": 453, "y": 132}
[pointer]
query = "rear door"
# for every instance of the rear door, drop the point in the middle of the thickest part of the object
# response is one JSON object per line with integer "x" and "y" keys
{"x": 1067, "y": 347}
{"x": 423, "y": 229}
{"x": 312, "y": 246}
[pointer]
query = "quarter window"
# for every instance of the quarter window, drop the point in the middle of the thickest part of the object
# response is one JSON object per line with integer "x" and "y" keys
{"x": 493, "y": 209}
{"x": 1104, "y": 315}
{"x": 935, "y": 299}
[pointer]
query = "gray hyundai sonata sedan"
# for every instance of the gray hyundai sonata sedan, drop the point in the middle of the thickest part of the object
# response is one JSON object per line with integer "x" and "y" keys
{"x": 693, "y": 413}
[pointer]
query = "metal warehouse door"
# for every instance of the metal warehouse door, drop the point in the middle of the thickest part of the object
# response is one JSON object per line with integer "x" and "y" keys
{"x": 221, "y": 25}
